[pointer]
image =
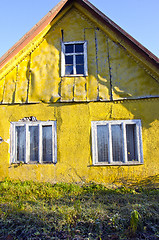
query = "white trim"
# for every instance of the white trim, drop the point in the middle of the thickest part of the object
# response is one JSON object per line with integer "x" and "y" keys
{"x": 123, "y": 123}
{"x": 85, "y": 60}
{"x": 27, "y": 147}
{"x": 110, "y": 152}
{"x": 125, "y": 157}
{"x": 74, "y": 59}
{"x": 62, "y": 60}
{"x": 40, "y": 143}
{"x": 54, "y": 135}
{"x": 40, "y": 124}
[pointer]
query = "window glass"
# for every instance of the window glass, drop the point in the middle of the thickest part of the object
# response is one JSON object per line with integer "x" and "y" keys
{"x": 34, "y": 143}
{"x": 69, "y": 48}
{"x": 79, "y": 59}
{"x": 79, "y": 48}
{"x": 80, "y": 69}
{"x": 117, "y": 143}
{"x": 131, "y": 142}
{"x": 69, "y": 69}
{"x": 47, "y": 143}
{"x": 69, "y": 59}
{"x": 73, "y": 55}
{"x": 102, "y": 143}
{"x": 20, "y": 146}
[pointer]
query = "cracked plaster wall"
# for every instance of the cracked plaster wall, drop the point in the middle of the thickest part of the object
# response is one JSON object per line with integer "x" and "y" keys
{"x": 74, "y": 157}
{"x": 112, "y": 75}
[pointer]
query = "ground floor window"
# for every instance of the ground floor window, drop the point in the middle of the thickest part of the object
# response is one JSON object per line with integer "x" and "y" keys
{"x": 33, "y": 142}
{"x": 117, "y": 142}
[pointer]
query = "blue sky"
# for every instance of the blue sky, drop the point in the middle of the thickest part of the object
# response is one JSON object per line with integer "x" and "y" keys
{"x": 137, "y": 17}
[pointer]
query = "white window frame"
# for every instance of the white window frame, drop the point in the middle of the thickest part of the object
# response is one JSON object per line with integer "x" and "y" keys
{"x": 74, "y": 61}
{"x": 123, "y": 123}
{"x": 40, "y": 124}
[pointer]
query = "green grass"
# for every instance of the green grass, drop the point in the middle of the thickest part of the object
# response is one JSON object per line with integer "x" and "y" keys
{"x": 30, "y": 210}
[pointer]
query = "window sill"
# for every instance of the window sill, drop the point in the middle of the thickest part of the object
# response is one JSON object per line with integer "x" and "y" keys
{"x": 31, "y": 163}
{"x": 116, "y": 164}
{"x": 75, "y": 75}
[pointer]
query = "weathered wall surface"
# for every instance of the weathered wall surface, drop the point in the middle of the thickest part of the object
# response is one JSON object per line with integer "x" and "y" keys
{"x": 74, "y": 158}
{"x": 31, "y": 85}
{"x": 112, "y": 72}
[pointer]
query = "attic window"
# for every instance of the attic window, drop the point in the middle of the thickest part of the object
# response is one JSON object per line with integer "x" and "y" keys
{"x": 33, "y": 142}
{"x": 117, "y": 142}
{"x": 74, "y": 59}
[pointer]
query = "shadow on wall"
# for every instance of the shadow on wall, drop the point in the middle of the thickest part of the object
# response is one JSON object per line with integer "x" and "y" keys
{"x": 149, "y": 182}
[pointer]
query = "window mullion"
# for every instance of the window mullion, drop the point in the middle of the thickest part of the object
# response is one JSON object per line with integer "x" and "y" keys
{"x": 53, "y": 144}
{"x": 96, "y": 160}
{"x": 55, "y": 141}
{"x": 138, "y": 143}
{"x": 40, "y": 144}
{"x": 14, "y": 147}
{"x": 27, "y": 146}
{"x": 125, "y": 158}
{"x": 94, "y": 143}
{"x": 110, "y": 152}
{"x": 62, "y": 59}
{"x": 74, "y": 60}
{"x": 85, "y": 59}
{"x": 74, "y": 64}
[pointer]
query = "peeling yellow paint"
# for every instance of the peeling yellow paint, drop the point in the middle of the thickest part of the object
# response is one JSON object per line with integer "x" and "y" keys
{"x": 129, "y": 80}
{"x": 2, "y": 81}
{"x": 80, "y": 93}
{"x": 103, "y": 66}
{"x": 92, "y": 86}
{"x": 23, "y": 80}
{"x": 67, "y": 85}
{"x": 112, "y": 72}
{"x": 10, "y": 87}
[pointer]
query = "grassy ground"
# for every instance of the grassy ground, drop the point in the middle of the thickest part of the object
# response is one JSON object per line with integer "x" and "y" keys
{"x": 31, "y": 210}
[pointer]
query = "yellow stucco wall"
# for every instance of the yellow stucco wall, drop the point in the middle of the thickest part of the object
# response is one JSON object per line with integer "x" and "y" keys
{"x": 74, "y": 157}
{"x": 31, "y": 85}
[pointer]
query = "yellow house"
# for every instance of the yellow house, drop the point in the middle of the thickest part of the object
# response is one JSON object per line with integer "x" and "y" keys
{"x": 79, "y": 101}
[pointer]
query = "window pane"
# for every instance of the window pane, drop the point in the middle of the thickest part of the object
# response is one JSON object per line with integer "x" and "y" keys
{"x": 68, "y": 59}
{"x": 79, "y": 59}
{"x": 79, "y": 69}
{"x": 117, "y": 143}
{"x": 47, "y": 143}
{"x": 69, "y": 69}
{"x": 20, "y": 143}
{"x": 131, "y": 142}
{"x": 102, "y": 143}
{"x": 69, "y": 48}
{"x": 79, "y": 48}
{"x": 34, "y": 143}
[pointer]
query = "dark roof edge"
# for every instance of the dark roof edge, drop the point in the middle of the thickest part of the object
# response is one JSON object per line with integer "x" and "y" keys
{"x": 34, "y": 31}
{"x": 118, "y": 29}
